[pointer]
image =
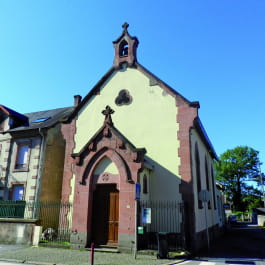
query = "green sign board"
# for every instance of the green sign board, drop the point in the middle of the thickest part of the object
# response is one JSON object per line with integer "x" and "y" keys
{"x": 140, "y": 230}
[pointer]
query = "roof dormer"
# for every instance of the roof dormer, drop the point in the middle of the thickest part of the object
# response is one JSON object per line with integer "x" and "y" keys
{"x": 125, "y": 48}
{"x": 10, "y": 119}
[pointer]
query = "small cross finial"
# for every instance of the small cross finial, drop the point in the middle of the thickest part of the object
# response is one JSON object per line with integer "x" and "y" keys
{"x": 125, "y": 26}
{"x": 107, "y": 112}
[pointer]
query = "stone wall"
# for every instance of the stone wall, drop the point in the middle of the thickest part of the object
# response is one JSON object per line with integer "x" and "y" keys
{"x": 261, "y": 220}
{"x": 17, "y": 231}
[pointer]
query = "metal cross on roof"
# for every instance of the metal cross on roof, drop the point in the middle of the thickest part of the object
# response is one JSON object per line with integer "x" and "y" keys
{"x": 125, "y": 26}
{"x": 107, "y": 112}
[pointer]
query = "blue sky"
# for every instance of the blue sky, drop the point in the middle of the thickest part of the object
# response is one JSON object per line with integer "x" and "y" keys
{"x": 209, "y": 51}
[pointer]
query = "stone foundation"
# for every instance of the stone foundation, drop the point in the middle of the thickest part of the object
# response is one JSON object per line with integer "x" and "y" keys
{"x": 17, "y": 231}
{"x": 78, "y": 240}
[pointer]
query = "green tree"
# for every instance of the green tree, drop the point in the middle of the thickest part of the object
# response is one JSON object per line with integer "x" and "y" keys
{"x": 234, "y": 170}
{"x": 251, "y": 198}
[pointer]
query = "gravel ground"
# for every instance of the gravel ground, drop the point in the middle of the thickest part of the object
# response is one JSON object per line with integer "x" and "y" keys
{"x": 45, "y": 255}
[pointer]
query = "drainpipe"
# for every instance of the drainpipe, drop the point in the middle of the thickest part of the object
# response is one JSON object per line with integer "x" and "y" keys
{"x": 5, "y": 173}
{"x": 136, "y": 217}
{"x": 39, "y": 174}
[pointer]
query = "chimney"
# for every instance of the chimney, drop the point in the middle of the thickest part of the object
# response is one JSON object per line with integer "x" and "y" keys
{"x": 77, "y": 100}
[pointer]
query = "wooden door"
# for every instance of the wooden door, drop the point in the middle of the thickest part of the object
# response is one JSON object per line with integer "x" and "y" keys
{"x": 113, "y": 222}
{"x": 105, "y": 216}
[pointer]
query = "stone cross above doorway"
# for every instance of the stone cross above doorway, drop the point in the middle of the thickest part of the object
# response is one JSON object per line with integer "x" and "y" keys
{"x": 107, "y": 112}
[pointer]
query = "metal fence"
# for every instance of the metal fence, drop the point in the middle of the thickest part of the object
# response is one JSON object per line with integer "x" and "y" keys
{"x": 54, "y": 217}
{"x": 164, "y": 217}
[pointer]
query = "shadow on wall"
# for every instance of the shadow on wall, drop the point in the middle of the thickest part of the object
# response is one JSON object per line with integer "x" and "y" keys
{"x": 164, "y": 185}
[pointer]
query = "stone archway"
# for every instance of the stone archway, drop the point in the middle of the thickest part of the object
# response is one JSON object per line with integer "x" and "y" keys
{"x": 107, "y": 143}
{"x": 105, "y": 180}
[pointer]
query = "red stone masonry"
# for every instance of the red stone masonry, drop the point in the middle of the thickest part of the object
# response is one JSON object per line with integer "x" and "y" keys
{"x": 185, "y": 118}
{"x": 68, "y": 131}
{"x": 129, "y": 161}
{"x": 186, "y": 115}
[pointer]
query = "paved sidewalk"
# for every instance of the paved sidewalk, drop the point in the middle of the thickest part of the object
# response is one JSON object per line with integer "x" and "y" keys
{"x": 51, "y": 256}
{"x": 12, "y": 263}
{"x": 5, "y": 248}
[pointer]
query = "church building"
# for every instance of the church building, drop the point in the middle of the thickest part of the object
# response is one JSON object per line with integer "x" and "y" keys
{"x": 134, "y": 148}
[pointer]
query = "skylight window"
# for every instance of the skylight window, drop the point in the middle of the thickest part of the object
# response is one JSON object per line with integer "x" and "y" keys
{"x": 41, "y": 119}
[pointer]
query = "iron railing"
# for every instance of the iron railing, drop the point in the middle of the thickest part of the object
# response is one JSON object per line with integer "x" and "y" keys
{"x": 12, "y": 209}
{"x": 165, "y": 217}
{"x": 56, "y": 220}
{"x": 54, "y": 217}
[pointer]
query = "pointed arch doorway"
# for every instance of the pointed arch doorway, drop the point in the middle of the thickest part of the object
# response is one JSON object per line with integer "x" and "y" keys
{"x": 105, "y": 219}
{"x": 104, "y": 205}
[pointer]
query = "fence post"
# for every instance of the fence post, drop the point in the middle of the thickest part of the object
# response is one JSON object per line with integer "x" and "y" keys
{"x": 92, "y": 254}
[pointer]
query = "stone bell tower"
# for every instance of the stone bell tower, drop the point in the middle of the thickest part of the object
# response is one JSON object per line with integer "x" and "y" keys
{"x": 125, "y": 48}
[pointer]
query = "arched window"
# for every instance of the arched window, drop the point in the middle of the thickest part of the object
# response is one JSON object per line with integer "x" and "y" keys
{"x": 207, "y": 180}
{"x": 213, "y": 187}
{"x": 123, "y": 51}
{"x": 198, "y": 173}
{"x": 145, "y": 184}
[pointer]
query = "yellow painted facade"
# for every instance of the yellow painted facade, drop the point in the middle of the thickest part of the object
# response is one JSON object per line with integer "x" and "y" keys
{"x": 149, "y": 121}
{"x": 105, "y": 165}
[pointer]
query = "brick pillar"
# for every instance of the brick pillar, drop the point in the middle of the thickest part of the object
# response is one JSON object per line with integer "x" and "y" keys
{"x": 186, "y": 115}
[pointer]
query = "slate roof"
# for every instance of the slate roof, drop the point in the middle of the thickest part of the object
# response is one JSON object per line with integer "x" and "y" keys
{"x": 260, "y": 210}
{"x": 200, "y": 129}
{"x": 52, "y": 117}
{"x": 13, "y": 113}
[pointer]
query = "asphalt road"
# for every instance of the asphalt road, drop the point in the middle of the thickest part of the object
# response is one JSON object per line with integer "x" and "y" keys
{"x": 240, "y": 241}
{"x": 221, "y": 262}
{"x": 242, "y": 244}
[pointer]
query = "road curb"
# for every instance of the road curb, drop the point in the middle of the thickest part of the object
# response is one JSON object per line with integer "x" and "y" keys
{"x": 30, "y": 262}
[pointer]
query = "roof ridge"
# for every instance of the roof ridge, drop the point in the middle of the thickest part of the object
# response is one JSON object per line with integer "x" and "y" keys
{"x": 48, "y": 110}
